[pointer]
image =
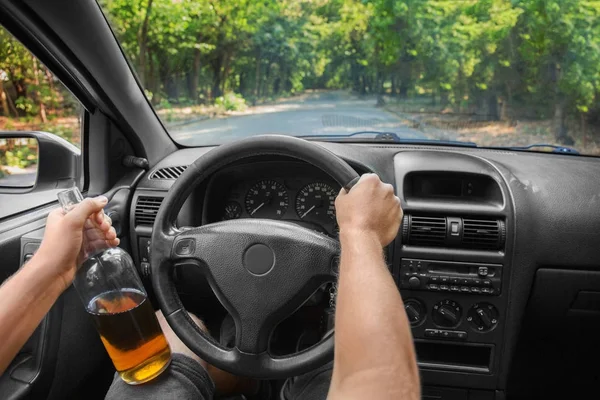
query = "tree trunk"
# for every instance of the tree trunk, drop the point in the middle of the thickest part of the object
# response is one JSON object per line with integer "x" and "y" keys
{"x": 20, "y": 87}
{"x": 503, "y": 114}
{"x": 143, "y": 44}
{"x": 405, "y": 76}
{"x": 379, "y": 82}
{"x": 172, "y": 88}
{"x": 50, "y": 80}
{"x": 36, "y": 80}
{"x": 493, "y": 111}
{"x": 243, "y": 83}
{"x": 257, "y": 78}
{"x": 583, "y": 133}
{"x": 195, "y": 74}
{"x": 267, "y": 88}
{"x": 561, "y": 133}
{"x": 226, "y": 71}
{"x": 3, "y": 100}
{"x": 153, "y": 84}
{"x": 444, "y": 98}
{"x": 217, "y": 65}
{"x": 355, "y": 76}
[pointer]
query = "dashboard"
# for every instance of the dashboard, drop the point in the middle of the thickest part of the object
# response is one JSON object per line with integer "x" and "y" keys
{"x": 283, "y": 190}
{"x": 497, "y": 260}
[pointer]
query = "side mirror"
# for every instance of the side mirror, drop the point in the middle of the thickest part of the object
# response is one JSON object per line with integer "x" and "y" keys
{"x": 36, "y": 161}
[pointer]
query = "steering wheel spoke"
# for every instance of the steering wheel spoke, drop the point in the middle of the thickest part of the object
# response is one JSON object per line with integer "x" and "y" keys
{"x": 280, "y": 266}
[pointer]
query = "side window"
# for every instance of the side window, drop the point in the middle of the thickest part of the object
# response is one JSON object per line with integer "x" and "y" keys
{"x": 31, "y": 99}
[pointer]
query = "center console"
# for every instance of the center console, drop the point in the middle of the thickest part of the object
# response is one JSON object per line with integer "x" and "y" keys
{"x": 452, "y": 266}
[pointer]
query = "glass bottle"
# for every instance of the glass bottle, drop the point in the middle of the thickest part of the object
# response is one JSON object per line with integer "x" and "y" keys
{"x": 113, "y": 294}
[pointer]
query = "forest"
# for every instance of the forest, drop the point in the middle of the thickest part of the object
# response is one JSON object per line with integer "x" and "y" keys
{"x": 485, "y": 60}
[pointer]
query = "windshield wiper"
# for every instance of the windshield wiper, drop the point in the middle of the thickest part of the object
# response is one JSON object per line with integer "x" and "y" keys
{"x": 389, "y": 137}
{"x": 555, "y": 149}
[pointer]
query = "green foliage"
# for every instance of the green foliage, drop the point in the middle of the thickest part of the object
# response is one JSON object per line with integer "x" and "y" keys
{"x": 231, "y": 102}
{"x": 20, "y": 157}
{"x": 539, "y": 56}
{"x": 462, "y": 52}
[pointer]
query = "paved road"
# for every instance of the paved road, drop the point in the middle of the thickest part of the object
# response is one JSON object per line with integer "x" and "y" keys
{"x": 19, "y": 180}
{"x": 324, "y": 113}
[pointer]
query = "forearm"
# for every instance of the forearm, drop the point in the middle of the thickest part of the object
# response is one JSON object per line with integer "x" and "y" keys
{"x": 26, "y": 297}
{"x": 374, "y": 349}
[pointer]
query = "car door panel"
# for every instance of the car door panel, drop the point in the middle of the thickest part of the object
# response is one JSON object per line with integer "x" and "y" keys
{"x": 65, "y": 353}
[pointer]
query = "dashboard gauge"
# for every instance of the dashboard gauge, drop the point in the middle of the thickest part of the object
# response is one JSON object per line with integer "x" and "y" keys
{"x": 233, "y": 210}
{"x": 316, "y": 200}
{"x": 267, "y": 199}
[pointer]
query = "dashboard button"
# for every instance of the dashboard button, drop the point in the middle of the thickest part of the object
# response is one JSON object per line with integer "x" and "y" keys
{"x": 475, "y": 290}
{"x": 445, "y": 279}
{"x": 454, "y": 289}
{"x": 455, "y": 281}
{"x": 185, "y": 247}
{"x": 434, "y": 279}
{"x": 431, "y": 332}
{"x": 434, "y": 287}
{"x": 414, "y": 282}
{"x": 444, "y": 287}
{"x": 465, "y": 281}
{"x": 465, "y": 289}
{"x": 487, "y": 282}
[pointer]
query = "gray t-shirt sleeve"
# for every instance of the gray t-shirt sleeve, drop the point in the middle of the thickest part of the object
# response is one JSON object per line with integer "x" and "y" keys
{"x": 183, "y": 379}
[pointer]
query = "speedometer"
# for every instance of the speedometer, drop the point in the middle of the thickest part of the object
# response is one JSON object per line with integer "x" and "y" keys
{"x": 267, "y": 199}
{"x": 316, "y": 200}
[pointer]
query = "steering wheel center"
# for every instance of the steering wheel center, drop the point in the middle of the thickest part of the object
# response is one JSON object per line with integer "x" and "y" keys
{"x": 259, "y": 259}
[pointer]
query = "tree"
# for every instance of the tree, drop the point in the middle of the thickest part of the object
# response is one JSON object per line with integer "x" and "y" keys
{"x": 560, "y": 42}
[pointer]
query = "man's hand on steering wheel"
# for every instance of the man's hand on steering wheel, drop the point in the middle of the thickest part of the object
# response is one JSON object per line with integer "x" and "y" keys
{"x": 371, "y": 209}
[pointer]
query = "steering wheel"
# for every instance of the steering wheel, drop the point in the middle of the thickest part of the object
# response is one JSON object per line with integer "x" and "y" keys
{"x": 260, "y": 270}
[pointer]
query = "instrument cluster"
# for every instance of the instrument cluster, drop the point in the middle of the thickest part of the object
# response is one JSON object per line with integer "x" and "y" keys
{"x": 305, "y": 200}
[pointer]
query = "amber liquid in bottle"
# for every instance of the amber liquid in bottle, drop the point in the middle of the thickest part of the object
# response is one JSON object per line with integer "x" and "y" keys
{"x": 131, "y": 334}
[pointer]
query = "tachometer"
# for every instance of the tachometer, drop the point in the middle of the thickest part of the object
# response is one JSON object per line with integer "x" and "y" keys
{"x": 267, "y": 199}
{"x": 316, "y": 200}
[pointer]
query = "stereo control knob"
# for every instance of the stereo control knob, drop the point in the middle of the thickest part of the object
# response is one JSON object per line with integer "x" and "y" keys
{"x": 447, "y": 314}
{"x": 483, "y": 317}
{"x": 415, "y": 311}
{"x": 414, "y": 282}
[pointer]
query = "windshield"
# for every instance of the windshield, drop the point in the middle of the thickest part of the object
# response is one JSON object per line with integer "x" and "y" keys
{"x": 492, "y": 72}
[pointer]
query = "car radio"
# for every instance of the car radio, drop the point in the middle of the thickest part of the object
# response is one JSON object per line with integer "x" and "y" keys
{"x": 447, "y": 276}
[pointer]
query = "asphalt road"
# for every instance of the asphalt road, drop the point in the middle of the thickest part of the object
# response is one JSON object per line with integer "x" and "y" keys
{"x": 327, "y": 113}
{"x": 19, "y": 180}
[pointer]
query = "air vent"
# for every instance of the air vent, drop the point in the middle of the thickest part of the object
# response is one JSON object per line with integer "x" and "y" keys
{"x": 425, "y": 231}
{"x": 146, "y": 209}
{"x": 454, "y": 232}
{"x": 168, "y": 172}
{"x": 483, "y": 234}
